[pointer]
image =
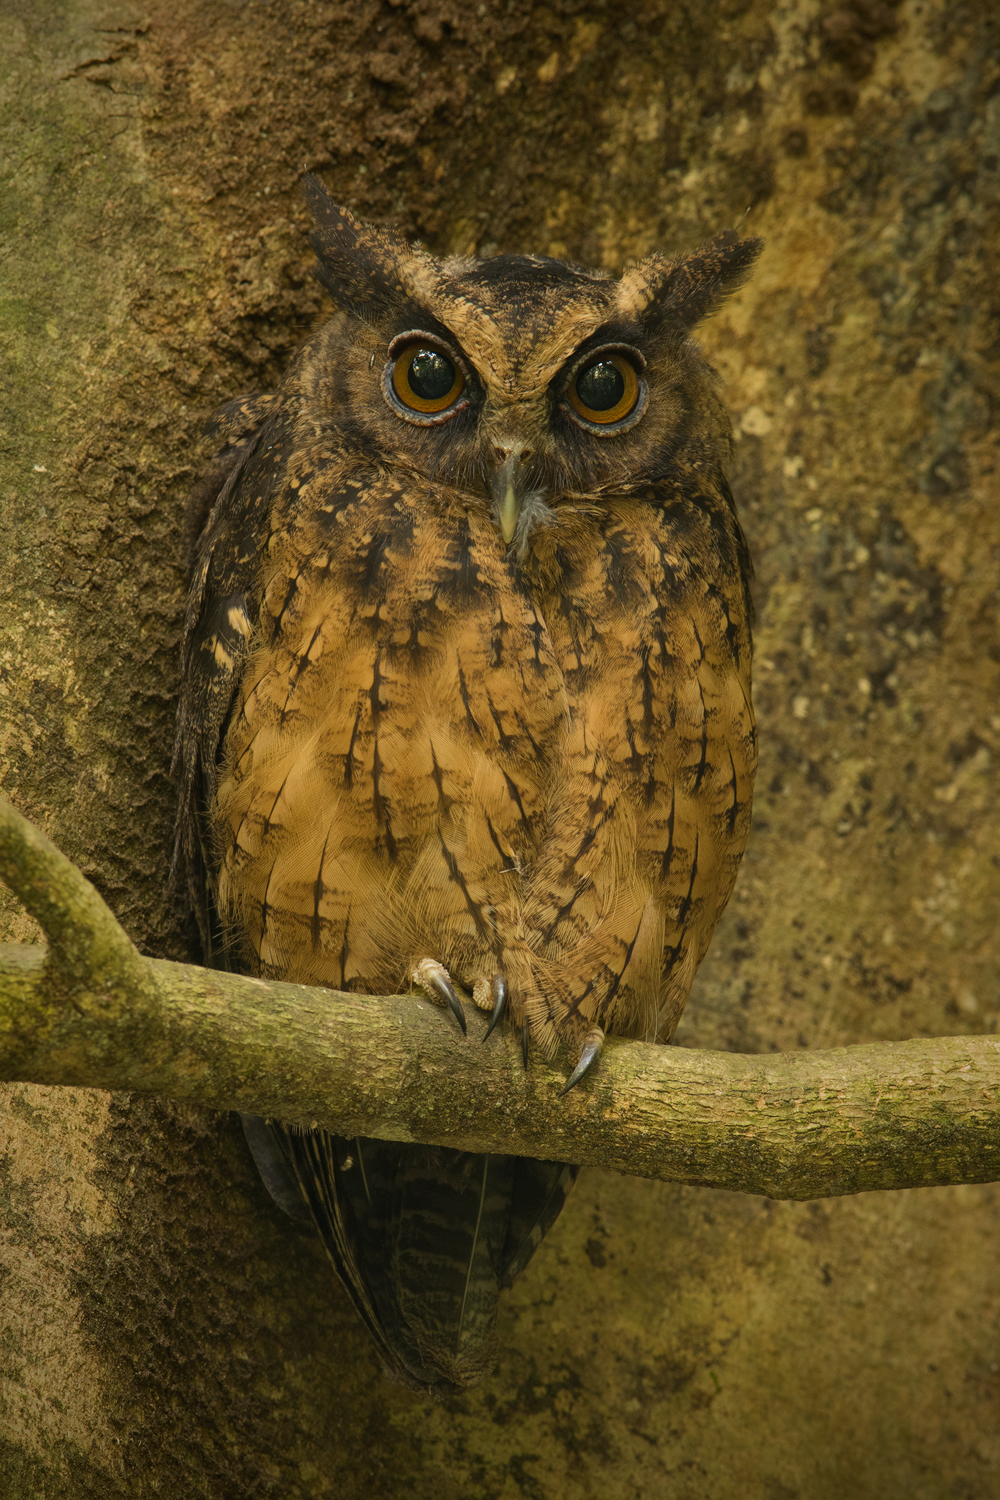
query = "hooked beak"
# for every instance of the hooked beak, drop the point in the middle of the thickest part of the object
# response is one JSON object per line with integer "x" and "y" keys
{"x": 510, "y": 485}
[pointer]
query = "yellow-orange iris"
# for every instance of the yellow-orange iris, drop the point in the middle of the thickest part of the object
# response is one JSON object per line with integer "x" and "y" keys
{"x": 425, "y": 379}
{"x": 605, "y": 390}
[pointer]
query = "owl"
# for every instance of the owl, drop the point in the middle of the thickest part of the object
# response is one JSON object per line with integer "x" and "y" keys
{"x": 466, "y": 710}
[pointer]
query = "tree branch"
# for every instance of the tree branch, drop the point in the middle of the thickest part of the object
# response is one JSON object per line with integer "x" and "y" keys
{"x": 90, "y": 1011}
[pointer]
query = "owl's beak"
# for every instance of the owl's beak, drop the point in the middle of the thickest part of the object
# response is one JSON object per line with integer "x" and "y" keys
{"x": 510, "y": 484}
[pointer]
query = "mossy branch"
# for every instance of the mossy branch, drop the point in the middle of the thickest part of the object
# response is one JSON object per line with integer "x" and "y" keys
{"x": 89, "y": 1011}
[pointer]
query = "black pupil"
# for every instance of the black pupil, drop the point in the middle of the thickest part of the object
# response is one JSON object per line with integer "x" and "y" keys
{"x": 431, "y": 375}
{"x": 601, "y": 385}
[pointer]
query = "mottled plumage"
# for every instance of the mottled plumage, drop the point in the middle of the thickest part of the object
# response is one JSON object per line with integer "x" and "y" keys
{"x": 467, "y": 693}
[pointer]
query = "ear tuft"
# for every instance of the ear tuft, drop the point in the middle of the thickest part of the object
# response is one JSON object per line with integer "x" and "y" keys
{"x": 678, "y": 293}
{"x": 360, "y": 265}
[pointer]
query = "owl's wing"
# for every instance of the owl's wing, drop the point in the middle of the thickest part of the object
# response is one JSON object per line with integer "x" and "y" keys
{"x": 651, "y": 620}
{"x": 220, "y": 619}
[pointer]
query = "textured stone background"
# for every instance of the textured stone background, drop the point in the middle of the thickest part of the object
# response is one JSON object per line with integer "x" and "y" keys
{"x": 162, "y": 1332}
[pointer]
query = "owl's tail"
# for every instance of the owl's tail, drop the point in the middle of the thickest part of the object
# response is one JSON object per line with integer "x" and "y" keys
{"x": 422, "y": 1238}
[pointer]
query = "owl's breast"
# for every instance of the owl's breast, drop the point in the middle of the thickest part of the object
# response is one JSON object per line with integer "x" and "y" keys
{"x": 391, "y": 748}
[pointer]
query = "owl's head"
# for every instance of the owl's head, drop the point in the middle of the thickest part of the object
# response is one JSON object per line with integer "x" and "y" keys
{"x": 525, "y": 383}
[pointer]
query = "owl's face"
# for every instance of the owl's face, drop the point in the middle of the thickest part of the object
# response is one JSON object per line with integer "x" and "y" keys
{"x": 524, "y": 383}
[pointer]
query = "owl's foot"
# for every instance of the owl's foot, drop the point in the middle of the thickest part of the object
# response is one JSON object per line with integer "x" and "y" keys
{"x": 592, "y": 1044}
{"x": 433, "y": 978}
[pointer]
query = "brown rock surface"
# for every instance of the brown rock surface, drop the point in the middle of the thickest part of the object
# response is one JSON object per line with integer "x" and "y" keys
{"x": 163, "y": 1332}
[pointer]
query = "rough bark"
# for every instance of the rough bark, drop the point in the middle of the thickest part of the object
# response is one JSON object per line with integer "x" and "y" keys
{"x": 89, "y": 1011}
{"x": 163, "y": 1330}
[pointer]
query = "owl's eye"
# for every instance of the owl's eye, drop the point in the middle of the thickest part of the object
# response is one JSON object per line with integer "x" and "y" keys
{"x": 605, "y": 390}
{"x": 426, "y": 380}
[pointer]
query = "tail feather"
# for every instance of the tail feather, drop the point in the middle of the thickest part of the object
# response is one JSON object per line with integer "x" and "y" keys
{"x": 423, "y": 1238}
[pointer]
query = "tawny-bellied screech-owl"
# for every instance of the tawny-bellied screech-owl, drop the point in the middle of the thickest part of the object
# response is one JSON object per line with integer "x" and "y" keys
{"x": 467, "y": 707}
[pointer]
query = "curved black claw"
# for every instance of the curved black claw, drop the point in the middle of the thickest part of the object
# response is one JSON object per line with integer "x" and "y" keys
{"x": 525, "y": 1039}
{"x": 499, "y": 1002}
{"x": 444, "y": 989}
{"x": 592, "y": 1045}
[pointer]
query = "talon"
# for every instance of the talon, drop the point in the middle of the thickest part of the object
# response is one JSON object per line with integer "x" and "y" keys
{"x": 499, "y": 1002}
{"x": 525, "y": 1039}
{"x": 593, "y": 1042}
{"x": 433, "y": 978}
{"x": 447, "y": 993}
